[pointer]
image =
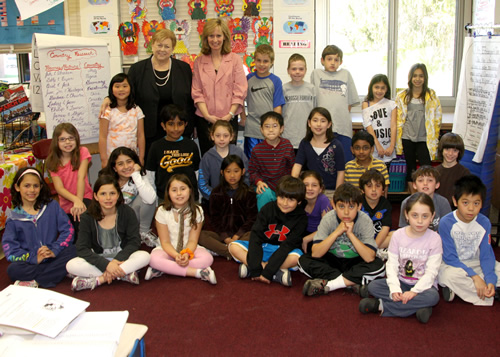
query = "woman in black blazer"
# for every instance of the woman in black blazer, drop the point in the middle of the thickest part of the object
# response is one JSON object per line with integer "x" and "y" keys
{"x": 160, "y": 80}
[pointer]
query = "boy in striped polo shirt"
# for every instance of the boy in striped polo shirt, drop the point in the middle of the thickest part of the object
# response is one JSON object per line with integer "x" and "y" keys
{"x": 362, "y": 149}
{"x": 271, "y": 159}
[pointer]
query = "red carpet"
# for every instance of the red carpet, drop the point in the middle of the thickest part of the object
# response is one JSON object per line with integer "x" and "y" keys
{"x": 188, "y": 317}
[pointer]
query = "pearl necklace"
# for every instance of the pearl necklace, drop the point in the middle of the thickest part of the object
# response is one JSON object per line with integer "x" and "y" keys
{"x": 166, "y": 78}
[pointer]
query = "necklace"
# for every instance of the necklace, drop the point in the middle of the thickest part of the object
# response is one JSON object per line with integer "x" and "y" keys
{"x": 166, "y": 78}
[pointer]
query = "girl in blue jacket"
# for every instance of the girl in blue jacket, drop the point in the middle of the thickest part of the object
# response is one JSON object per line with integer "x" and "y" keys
{"x": 38, "y": 236}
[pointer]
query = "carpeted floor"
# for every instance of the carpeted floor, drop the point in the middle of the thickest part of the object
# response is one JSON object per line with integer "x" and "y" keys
{"x": 188, "y": 317}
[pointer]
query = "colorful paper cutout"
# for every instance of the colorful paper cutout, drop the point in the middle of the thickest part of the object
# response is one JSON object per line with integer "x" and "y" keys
{"x": 239, "y": 33}
{"x": 137, "y": 9}
{"x": 148, "y": 30}
{"x": 252, "y": 7}
{"x": 181, "y": 30}
{"x": 249, "y": 62}
{"x": 263, "y": 29}
{"x": 224, "y": 8}
{"x": 167, "y": 9}
{"x": 295, "y": 27}
{"x": 197, "y": 9}
{"x": 189, "y": 59}
{"x": 128, "y": 32}
{"x": 199, "y": 28}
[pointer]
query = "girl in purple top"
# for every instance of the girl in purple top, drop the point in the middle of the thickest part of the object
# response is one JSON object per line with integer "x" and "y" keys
{"x": 317, "y": 205}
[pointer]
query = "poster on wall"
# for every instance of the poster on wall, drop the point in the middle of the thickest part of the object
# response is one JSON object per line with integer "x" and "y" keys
{"x": 29, "y": 8}
{"x": 101, "y": 24}
{"x": 296, "y": 24}
{"x": 14, "y": 29}
{"x": 477, "y": 92}
{"x": 71, "y": 80}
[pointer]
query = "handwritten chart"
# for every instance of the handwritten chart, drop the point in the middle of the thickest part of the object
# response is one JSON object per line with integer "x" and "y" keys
{"x": 477, "y": 92}
{"x": 73, "y": 81}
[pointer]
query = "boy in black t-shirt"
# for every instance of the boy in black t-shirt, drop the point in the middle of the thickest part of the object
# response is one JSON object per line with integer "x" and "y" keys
{"x": 172, "y": 154}
{"x": 377, "y": 207}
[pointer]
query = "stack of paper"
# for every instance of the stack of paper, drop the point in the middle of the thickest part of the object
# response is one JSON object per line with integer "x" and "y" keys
{"x": 50, "y": 314}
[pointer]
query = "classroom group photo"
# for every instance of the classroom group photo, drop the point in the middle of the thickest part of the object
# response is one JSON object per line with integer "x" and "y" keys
{"x": 299, "y": 192}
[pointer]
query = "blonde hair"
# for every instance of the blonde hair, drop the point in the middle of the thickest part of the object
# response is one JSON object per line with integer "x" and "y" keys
{"x": 208, "y": 29}
{"x": 162, "y": 35}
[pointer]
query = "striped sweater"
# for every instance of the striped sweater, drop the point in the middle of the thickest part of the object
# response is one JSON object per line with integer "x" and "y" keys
{"x": 269, "y": 163}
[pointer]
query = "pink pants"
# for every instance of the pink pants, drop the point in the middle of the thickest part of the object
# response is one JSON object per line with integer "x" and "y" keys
{"x": 160, "y": 260}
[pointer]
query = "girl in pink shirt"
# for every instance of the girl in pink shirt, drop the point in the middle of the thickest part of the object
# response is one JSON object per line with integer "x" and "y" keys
{"x": 68, "y": 163}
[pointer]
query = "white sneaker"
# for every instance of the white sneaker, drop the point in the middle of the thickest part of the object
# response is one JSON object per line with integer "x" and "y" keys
{"x": 243, "y": 271}
{"x": 152, "y": 273}
{"x": 208, "y": 274}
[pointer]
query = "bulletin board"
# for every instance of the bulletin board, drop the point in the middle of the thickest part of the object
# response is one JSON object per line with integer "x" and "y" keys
{"x": 15, "y": 31}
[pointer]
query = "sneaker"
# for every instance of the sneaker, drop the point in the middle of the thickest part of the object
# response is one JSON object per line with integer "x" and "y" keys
{"x": 315, "y": 287}
{"x": 28, "y": 284}
{"x": 448, "y": 294}
{"x": 208, "y": 274}
{"x": 363, "y": 291}
{"x": 383, "y": 253}
{"x": 80, "y": 283}
{"x": 150, "y": 239}
{"x": 243, "y": 271}
{"x": 132, "y": 278}
{"x": 152, "y": 273}
{"x": 367, "y": 305}
{"x": 283, "y": 277}
{"x": 424, "y": 314}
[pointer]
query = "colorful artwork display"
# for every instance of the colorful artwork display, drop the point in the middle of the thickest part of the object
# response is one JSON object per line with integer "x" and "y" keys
{"x": 197, "y": 9}
{"x": 128, "y": 32}
{"x": 224, "y": 8}
{"x": 181, "y": 29}
{"x": 137, "y": 9}
{"x": 239, "y": 33}
{"x": 252, "y": 7}
{"x": 167, "y": 9}
{"x": 199, "y": 28}
{"x": 249, "y": 62}
{"x": 263, "y": 29}
{"x": 149, "y": 28}
{"x": 189, "y": 59}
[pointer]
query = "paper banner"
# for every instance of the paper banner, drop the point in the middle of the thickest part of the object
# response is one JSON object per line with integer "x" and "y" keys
{"x": 28, "y": 8}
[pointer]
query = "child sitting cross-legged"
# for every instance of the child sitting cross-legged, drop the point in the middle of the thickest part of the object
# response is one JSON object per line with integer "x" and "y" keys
{"x": 276, "y": 236}
{"x": 343, "y": 251}
{"x": 426, "y": 180}
{"x": 469, "y": 268}
{"x": 414, "y": 258}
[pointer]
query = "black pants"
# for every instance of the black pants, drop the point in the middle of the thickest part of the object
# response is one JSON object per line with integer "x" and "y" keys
{"x": 203, "y": 129}
{"x": 414, "y": 151}
{"x": 330, "y": 267}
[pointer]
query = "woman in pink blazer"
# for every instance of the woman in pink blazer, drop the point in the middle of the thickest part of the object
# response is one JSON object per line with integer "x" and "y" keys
{"x": 219, "y": 83}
